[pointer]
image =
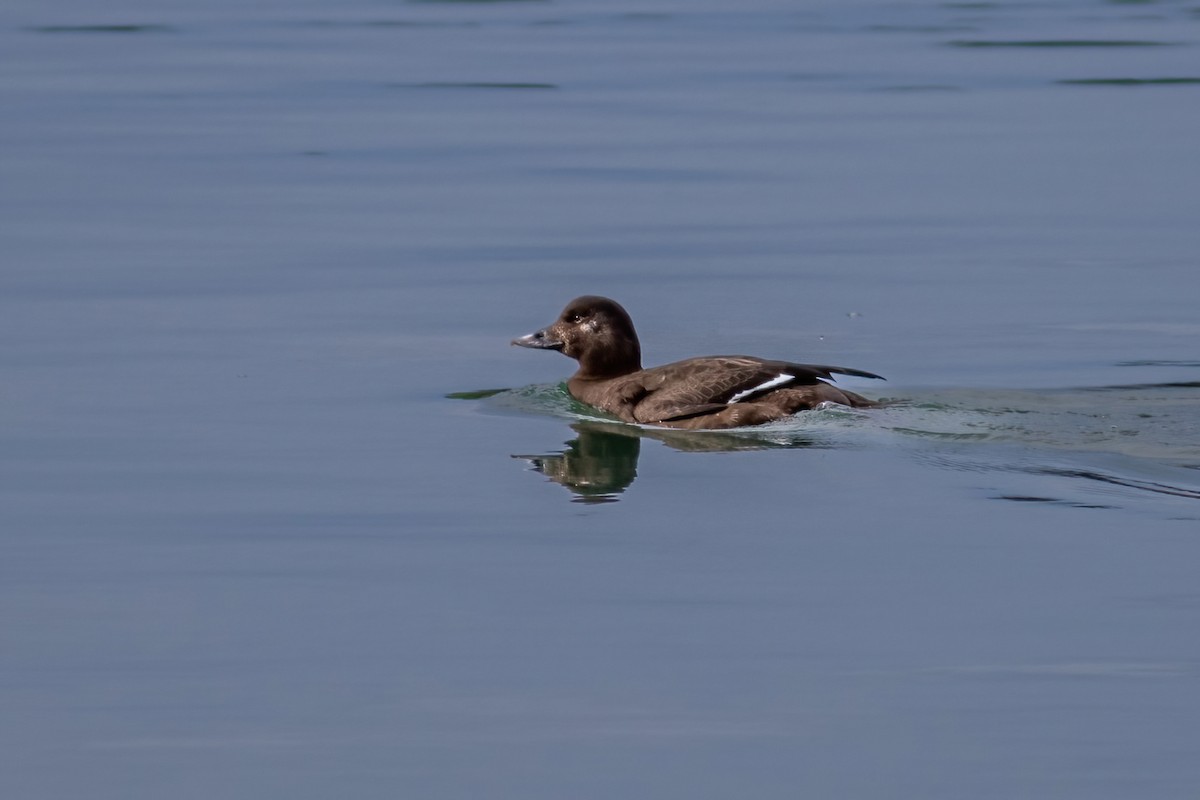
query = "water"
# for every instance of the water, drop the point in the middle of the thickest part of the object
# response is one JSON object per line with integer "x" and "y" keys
{"x": 251, "y": 548}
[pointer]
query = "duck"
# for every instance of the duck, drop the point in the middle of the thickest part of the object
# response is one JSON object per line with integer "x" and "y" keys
{"x": 709, "y": 392}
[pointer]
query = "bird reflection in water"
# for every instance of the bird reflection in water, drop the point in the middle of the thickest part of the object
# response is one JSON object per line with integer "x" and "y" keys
{"x": 602, "y": 461}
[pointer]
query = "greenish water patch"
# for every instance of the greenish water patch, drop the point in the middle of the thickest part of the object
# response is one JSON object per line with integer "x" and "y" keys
{"x": 1055, "y": 43}
{"x": 102, "y": 29}
{"x": 472, "y": 85}
{"x": 1130, "y": 81}
{"x": 478, "y": 394}
{"x": 954, "y": 436}
{"x": 1152, "y": 421}
{"x": 542, "y": 399}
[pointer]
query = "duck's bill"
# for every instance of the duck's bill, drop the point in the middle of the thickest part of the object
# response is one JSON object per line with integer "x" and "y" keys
{"x": 539, "y": 340}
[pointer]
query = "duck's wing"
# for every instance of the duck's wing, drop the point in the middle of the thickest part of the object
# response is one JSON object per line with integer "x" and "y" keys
{"x": 706, "y": 385}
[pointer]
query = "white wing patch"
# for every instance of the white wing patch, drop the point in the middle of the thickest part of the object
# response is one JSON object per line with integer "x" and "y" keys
{"x": 778, "y": 380}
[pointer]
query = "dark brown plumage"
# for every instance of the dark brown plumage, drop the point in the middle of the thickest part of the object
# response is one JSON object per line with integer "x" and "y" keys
{"x": 706, "y": 392}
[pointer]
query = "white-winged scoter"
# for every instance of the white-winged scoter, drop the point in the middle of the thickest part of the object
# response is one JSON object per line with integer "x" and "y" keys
{"x": 705, "y": 392}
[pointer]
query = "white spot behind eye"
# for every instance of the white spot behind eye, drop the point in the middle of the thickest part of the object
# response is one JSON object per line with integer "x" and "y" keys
{"x": 778, "y": 380}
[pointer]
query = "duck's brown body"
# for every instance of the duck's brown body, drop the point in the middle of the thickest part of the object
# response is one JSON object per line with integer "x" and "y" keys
{"x": 708, "y": 392}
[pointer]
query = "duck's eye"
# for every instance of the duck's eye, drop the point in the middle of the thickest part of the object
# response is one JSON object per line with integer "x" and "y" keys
{"x": 575, "y": 318}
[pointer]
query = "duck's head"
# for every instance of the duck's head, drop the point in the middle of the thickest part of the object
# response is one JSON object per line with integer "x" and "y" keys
{"x": 596, "y": 332}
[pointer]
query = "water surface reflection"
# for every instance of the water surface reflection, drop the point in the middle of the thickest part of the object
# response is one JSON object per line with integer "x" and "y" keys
{"x": 601, "y": 462}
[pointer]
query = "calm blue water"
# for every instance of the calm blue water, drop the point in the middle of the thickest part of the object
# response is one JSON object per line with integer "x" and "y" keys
{"x": 251, "y": 549}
